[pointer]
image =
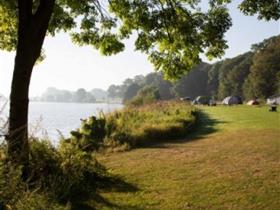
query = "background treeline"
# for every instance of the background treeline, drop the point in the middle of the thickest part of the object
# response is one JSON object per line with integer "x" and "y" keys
{"x": 80, "y": 96}
{"x": 254, "y": 74}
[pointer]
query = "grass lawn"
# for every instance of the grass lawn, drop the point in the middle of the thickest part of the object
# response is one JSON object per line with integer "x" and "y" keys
{"x": 231, "y": 161}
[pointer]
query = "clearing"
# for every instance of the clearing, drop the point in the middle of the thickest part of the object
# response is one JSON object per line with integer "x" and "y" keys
{"x": 231, "y": 161}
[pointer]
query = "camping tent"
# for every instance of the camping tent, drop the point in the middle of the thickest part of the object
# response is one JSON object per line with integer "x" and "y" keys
{"x": 231, "y": 100}
{"x": 204, "y": 100}
{"x": 275, "y": 99}
{"x": 253, "y": 102}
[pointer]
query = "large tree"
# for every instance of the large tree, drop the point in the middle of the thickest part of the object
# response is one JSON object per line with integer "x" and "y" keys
{"x": 264, "y": 78}
{"x": 172, "y": 32}
{"x": 194, "y": 83}
{"x": 232, "y": 74}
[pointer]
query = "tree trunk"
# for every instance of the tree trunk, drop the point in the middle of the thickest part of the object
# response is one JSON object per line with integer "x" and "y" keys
{"x": 31, "y": 34}
{"x": 18, "y": 121}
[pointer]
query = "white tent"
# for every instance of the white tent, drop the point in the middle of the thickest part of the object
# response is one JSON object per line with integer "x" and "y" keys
{"x": 204, "y": 100}
{"x": 275, "y": 99}
{"x": 231, "y": 100}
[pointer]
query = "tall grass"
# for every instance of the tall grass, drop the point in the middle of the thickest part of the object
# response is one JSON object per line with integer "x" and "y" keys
{"x": 56, "y": 177}
{"x": 135, "y": 126}
{"x": 148, "y": 124}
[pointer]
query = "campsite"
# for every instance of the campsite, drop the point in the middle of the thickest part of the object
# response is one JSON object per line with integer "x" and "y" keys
{"x": 230, "y": 161}
{"x": 139, "y": 105}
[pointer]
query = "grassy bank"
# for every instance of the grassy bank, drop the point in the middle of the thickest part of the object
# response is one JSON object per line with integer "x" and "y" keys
{"x": 135, "y": 126}
{"x": 150, "y": 124}
{"x": 67, "y": 176}
{"x": 230, "y": 162}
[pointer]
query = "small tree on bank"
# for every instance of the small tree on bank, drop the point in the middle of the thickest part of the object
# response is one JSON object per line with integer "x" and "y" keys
{"x": 172, "y": 32}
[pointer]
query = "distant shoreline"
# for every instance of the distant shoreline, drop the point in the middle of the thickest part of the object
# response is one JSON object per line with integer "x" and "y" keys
{"x": 71, "y": 102}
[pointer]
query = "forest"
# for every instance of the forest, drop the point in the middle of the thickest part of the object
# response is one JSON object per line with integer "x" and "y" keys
{"x": 254, "y": 74}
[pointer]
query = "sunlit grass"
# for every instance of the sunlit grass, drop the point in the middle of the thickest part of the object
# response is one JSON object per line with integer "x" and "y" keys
{"x": 231, "y": 161}
{"x": 148, "y": 124}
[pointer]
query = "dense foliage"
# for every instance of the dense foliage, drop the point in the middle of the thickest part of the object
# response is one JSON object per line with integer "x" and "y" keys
{"x": 58, "y": 178}
{"x": 193, "y": 84}
{"x": 145, "y": 95}
{"x": 232, "y": 74}
{"x": 264, "y": 9}
{"x": 172, "y": 33}
{"x": 264, "y": 78}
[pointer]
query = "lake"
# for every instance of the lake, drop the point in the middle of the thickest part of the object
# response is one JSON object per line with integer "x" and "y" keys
{"x": 51, "y": 119}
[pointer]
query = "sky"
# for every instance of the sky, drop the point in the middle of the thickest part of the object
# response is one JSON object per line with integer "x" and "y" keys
{"x": 70, "y": 67}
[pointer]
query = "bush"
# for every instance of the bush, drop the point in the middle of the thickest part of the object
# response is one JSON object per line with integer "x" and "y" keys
{"x": 79, "y": 171}
{"x": 11, "y": 185}
{"x": 44, "y": 164}
{"x": 145, "y": 95}
{"x": 134, "y": 126}
{"x": 90, "y": 135}
{"x": 36, "y": 201}
{"x": 15, "y": 194}
{"x": 57, "y": 176}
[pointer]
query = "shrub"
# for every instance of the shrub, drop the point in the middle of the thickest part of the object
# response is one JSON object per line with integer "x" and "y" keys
{"x": 15, "y": 194}
{"x": 79, "y": 171}
{"x": 145, "y": 95}
{"x": 90, "y": 135}
{"x": 44, "y": 164}
{"x": 57, "y": 176}
{"x": 134, "y": 126}
{"x": 36, "y": 201}
{"x": 64, "y": 172}
{"x": 11, "y": 185}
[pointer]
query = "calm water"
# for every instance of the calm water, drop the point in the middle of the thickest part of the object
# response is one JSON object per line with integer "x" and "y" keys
{"x": 51, "y": 118}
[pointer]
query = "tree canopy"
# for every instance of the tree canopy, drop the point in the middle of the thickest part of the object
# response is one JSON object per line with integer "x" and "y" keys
{"x": 173, "y": 33}
{"x": 268, "y": 10}
{"x": 264, "y": 78}
{"x": 232, "y": 74}
{"x": 171, "y": 49}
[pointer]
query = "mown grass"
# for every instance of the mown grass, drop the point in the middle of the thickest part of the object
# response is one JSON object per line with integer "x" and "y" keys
{"x": 231, "y": 161}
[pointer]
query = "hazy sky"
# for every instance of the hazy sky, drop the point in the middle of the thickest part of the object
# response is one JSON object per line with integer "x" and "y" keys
{"x": 70, "y": 67}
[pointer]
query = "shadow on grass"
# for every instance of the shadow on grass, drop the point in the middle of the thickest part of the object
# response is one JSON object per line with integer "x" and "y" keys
{"x": 105, "y": 184}
{"x": 203, "y": 127}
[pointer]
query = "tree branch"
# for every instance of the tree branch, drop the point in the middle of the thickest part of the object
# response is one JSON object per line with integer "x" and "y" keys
{"x": 44, "y": 12}
{"x": 40, "y": 23}
{"x": 164, "y": 21}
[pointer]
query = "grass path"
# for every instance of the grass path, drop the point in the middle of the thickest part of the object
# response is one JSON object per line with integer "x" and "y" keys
{"x": 231, "y": 161}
